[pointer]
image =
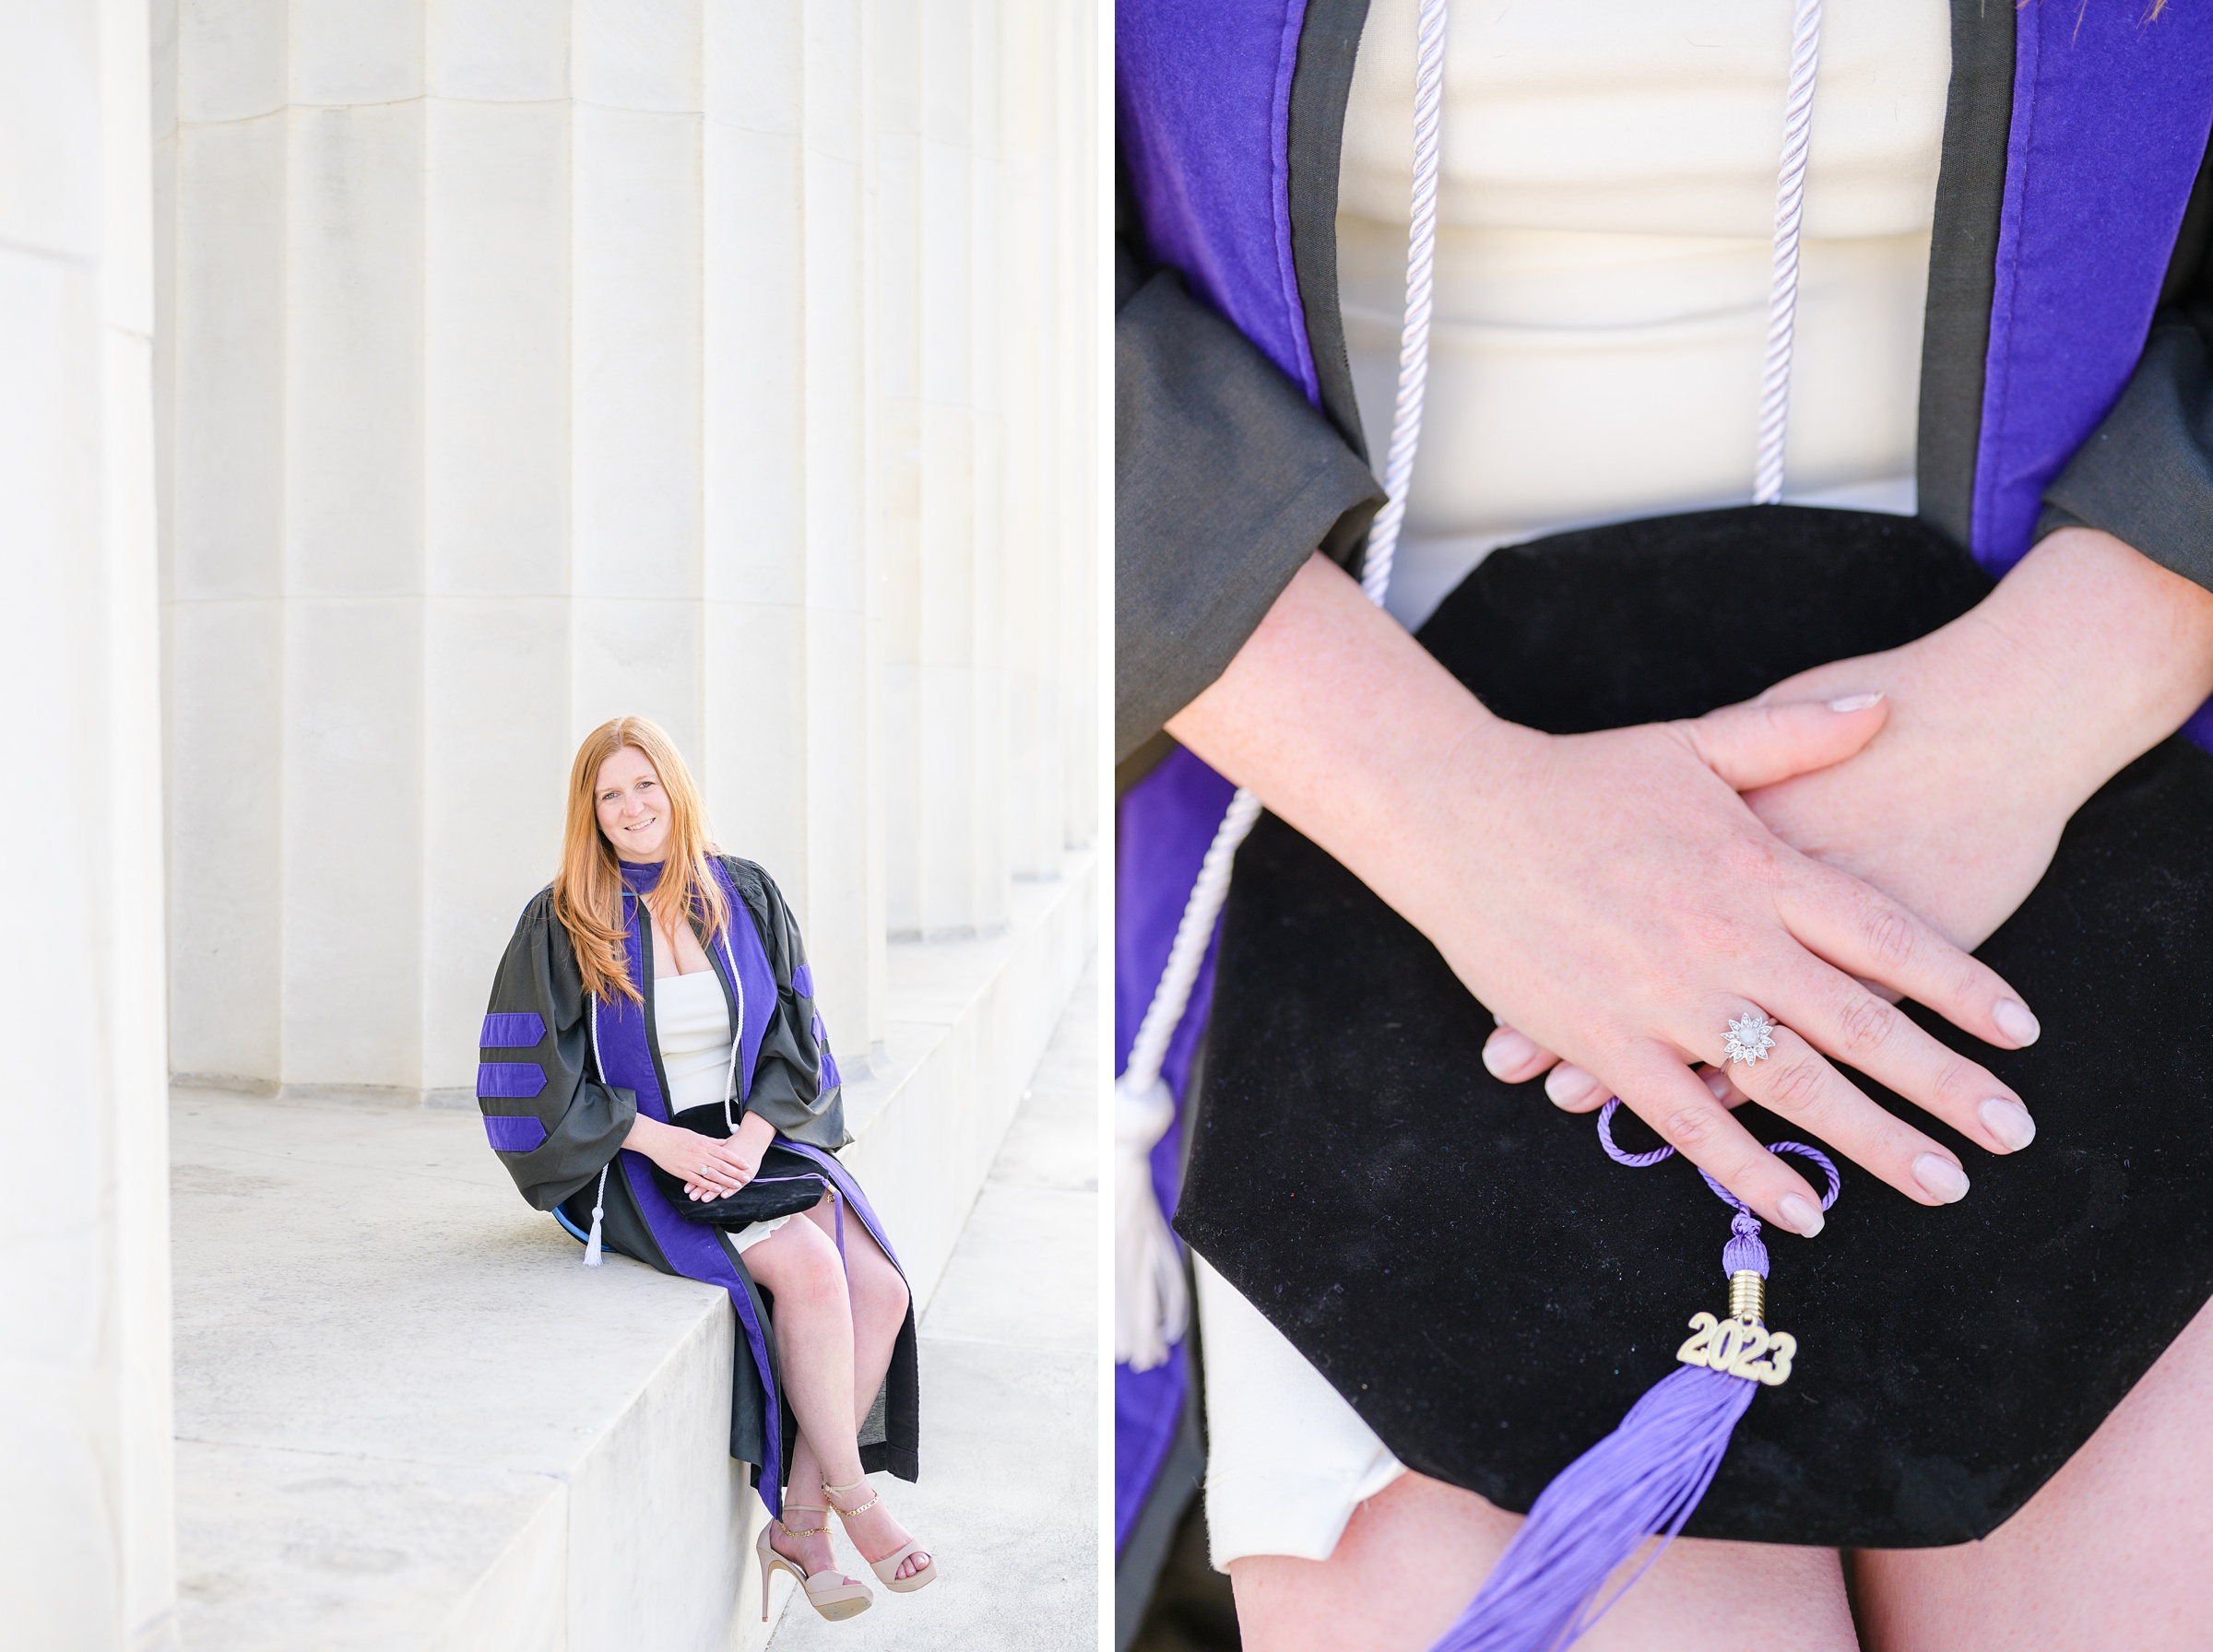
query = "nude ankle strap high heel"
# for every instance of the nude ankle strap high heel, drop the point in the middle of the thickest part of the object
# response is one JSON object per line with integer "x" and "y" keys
{"x": 886, "y": 1569}
{"x": 829, "y": 1591}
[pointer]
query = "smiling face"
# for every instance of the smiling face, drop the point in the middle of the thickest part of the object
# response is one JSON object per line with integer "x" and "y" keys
{"x": 632, "y": 807}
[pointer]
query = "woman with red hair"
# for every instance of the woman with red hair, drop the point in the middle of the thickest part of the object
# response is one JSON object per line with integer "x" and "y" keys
{"x": 654, "y": 1073}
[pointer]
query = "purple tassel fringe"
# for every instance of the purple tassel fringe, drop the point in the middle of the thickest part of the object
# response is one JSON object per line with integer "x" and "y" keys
{"x": 1642, "y": 1479}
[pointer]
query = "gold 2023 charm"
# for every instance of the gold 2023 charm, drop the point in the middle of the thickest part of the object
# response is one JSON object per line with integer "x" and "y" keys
{"x": 1741, "y": 1347}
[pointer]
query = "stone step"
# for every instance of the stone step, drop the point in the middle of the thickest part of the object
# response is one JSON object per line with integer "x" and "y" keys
{"x": 407, "y": 1419}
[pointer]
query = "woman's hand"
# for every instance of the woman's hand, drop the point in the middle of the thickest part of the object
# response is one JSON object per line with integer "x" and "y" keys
{"x": 1609, "y": 895}
{"x": 743, "y": 1153}
{"x": 709, "y": 1166}
{"x": 2002, "y": 724}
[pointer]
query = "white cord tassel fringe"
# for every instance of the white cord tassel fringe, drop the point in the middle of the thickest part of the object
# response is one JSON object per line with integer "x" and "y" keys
{"x": 1150, "y": 1307}
{"x": 1783, "y": 289}
{"x": 591, "y": 1245}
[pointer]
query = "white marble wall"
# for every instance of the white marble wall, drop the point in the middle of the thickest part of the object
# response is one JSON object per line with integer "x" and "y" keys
{"x": 527, "y": 362}
{"x": 85, "y": 1550}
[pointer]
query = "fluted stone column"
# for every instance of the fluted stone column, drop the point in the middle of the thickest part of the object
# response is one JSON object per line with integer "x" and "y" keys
{"x": 86, "y": 1551}
{"x": 531, "y": 364}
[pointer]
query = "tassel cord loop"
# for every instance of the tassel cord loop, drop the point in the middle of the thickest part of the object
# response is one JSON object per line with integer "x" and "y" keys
{"x": 1644, "y": 1161}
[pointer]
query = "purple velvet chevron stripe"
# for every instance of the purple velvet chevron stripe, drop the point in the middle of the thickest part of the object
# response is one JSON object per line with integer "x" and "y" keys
{"x": 515, "y": 1133}
{"x": 694, "y": 1251}
{"x": 2110, "y": 116}
{"x": 748, "y": 961}
{"x": 832, "y": 1078}
{"x": 511, "y": 1030}
{"x": 1163, "y": 826}
{"x": 509, "y": 1081}
{"x": 1203, "y": 105}
{"x": 802, "y": 980}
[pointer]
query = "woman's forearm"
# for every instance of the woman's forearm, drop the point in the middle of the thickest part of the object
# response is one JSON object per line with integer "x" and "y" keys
{"x": 1348, "y": 729}
{"x": 646, "y": 1134}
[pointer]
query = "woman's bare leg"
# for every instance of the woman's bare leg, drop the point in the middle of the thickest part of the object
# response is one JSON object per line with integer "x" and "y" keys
{"x": 2116, "y": 1549}
{"x": 1414, "y": 1554}
{"x": 879, "y": 1299}
{"x": 799, "y": 1264}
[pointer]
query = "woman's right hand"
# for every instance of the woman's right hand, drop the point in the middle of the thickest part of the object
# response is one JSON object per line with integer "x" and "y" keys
{"x": 1609, "y": 895}
{"x": 709, "y": 1167}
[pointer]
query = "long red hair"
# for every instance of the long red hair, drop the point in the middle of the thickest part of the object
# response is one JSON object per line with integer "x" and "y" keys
{"x": 588, "y": 891}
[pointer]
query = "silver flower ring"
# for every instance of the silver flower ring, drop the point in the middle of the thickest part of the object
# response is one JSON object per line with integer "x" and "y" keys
{"x": 1750, "y": 1038}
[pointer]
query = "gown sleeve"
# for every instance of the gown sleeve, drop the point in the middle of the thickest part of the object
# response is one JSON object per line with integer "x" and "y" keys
{"x": 1225, "y": 480}
{"x": 796, "y": 1085}
{"x": 2145, "y": 474}
{"x": 551, "y": 1120}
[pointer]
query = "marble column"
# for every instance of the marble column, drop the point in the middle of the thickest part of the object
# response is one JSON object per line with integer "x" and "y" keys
{"x": 527, "y": 361}
{"x": 86, "y": 1558}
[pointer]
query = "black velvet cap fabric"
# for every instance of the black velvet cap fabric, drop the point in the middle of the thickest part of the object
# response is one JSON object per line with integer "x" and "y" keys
{"x": 1461, "y": 1261}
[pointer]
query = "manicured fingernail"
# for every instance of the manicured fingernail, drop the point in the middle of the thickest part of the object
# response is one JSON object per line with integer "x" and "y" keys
{"x": 1568, "y": 1085}
{"x": 1800, "y": 1214}
{"x": 1941, "y": 1178}
{"x": 1717, "y": 1081}
{"x": 2014, "y": 1021}
{"x": 2008, "y": 1121}
{"x": 1855, "y": 702}
{"x": 1507, "y": 1052}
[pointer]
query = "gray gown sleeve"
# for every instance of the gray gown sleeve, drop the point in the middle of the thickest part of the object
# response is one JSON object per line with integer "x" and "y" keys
{"x": 1226, "y": 479}
{"x": 2145, "y": 474}
{"x": 551, "y": 1122}
{"x": 796, "y": 1085}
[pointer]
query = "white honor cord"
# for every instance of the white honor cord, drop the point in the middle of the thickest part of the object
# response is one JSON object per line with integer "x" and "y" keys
{"x": 1150, "y": 1308}
{"x": 591, "y": 1245}
{"x": 1783, "y": 289}
{"x": 730, "y": 1079}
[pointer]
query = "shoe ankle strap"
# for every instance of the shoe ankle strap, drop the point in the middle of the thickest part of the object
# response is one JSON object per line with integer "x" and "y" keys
{"x": 847, "y": 1513}
{"x": 803, "y": 1531}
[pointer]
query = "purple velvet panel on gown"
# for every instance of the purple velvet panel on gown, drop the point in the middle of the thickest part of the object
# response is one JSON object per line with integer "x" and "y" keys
{"x": 624, "y": 1049}
{"x": 2110, "y": 117}
{"x": 1203, "y": 106}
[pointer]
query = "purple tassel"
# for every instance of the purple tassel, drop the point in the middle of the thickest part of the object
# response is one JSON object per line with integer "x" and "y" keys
{"x": 1641, "y": 1480}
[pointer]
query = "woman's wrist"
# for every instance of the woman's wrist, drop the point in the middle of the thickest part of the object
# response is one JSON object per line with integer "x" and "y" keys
{"x": 2103, "y": 653}
{"x": 1348, "y": 729}
{"x": 753, "y": 1135}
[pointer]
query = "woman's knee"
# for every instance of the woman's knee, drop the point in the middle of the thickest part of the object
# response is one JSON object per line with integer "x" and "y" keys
{"x": 880, "y": 1296}
{"x": 798, "y": 1263}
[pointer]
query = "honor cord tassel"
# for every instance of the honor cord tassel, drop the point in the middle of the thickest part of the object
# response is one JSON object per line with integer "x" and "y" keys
{"x": 591, "y": 1245}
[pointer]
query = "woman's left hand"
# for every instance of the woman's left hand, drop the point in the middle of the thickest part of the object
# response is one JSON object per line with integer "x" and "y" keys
{"x": 2002, "y": 724}
{"x": 739, "y": 1157}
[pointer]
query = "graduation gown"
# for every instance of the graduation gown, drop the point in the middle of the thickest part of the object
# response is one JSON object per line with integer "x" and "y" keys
{"x": 562, "y": 1075}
